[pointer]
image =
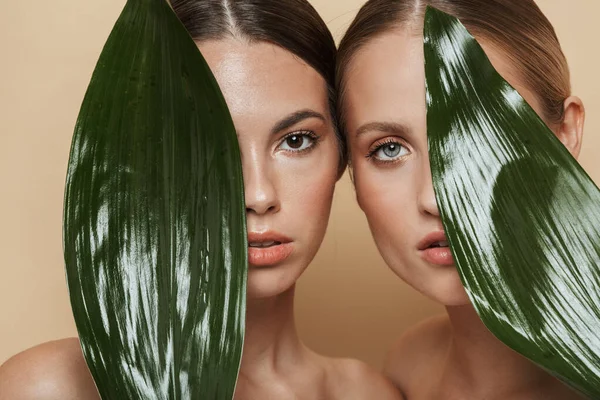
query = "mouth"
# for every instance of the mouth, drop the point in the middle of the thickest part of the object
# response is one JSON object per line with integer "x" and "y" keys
{"x": 438, "y": 244}
{"x": 268, "y": 248}
{"x": 264, "y": 245}
{"x": 435, "y": 249}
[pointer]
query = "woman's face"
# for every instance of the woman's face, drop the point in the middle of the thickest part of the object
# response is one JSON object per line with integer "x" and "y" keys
{"x": 387, "y": 132}
{"x": 280, "y": 109}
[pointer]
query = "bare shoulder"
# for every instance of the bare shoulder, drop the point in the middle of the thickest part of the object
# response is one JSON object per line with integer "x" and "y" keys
{"x": 50, "y": 371}
{"x": 356, "y": 380}
{"x": 418, "y": 352}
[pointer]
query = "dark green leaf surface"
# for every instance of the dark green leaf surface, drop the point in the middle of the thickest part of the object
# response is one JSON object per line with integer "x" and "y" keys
{"x": 154, "y": 219}
{"x": 521, "y": 215}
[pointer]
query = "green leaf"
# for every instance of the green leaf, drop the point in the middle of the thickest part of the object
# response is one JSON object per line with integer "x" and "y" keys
{"x": 521, "y": 215}
{"x": 154, "y": 218}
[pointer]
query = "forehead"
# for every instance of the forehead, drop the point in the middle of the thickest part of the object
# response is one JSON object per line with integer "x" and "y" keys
{"x": 386, "y": 79}
{"x": 260, "y": 77}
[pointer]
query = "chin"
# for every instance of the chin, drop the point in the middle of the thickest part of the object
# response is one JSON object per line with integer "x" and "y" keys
{"x": 440, "y": 284}
{"x": 454, "y": 298}
{"x": 265, "y": 282}
{"x": 448, "y": 290}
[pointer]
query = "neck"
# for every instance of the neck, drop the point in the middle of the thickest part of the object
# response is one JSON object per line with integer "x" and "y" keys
{"x": 479, "y": 362}
{"x": 271, "y": 340}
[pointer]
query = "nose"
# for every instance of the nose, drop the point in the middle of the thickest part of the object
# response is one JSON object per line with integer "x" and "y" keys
{"x": 426, "y": 195}
{"x": 259, "y": 188}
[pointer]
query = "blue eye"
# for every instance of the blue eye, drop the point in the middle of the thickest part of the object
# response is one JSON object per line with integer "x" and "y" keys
{"x": 298, "y": 141}
{"x": 389, "y": 151}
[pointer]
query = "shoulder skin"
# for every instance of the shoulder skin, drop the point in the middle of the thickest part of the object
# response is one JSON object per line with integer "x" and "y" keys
{"x": 355, "y": 380}
{"x": 418, "y": 354}
{"x": 50, "y": 371}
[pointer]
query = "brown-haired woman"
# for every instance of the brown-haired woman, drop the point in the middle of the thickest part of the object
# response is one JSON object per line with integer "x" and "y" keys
{"x": 275, "y": 62}
{"x": 383, "y": 112}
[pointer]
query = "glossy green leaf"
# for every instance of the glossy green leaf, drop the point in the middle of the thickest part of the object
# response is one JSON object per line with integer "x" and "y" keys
{"x": 154, "y": 218}
{"x": 521, "y": 215}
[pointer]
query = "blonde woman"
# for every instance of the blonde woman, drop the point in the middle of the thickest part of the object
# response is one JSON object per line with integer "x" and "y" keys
{"x": 381, "y": 79}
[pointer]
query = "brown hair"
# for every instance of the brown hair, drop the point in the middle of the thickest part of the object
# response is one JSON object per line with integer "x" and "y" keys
{"x": 516, "y": 27}
{"x": 293, "y": 25}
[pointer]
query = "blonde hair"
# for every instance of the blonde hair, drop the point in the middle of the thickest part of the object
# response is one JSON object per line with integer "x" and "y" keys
{"x": 517, "y": 28}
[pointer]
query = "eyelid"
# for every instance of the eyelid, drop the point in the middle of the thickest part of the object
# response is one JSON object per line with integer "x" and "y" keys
{"x": 375, "y": 147}
{"x": 303, "y": 132}
{"x": 387, "y": 140}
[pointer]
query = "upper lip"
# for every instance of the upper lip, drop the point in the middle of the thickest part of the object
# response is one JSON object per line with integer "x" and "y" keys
{"x": 432, "y": 238}
{"x": 267, "y": 236}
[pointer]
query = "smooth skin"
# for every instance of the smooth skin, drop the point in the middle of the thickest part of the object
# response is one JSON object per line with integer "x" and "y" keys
{"x": 452, "y": 356}
{"x": 290, "y": 162}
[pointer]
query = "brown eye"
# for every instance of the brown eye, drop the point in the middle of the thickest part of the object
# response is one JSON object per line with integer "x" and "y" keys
{"x": 295, "y": 142}
{"x": 298, "y": 142}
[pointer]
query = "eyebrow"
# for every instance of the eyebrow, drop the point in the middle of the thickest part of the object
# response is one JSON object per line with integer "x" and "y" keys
{"x": 294, "y": 118}
{"x": 390, "y": 127}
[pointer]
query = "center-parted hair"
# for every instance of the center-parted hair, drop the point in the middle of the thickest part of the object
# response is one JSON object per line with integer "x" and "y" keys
{"x": 518, "y": 28}
{"x": 293, "y": 25}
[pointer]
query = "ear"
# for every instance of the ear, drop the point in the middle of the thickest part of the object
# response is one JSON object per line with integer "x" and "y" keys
{"x": 570, "y": 132}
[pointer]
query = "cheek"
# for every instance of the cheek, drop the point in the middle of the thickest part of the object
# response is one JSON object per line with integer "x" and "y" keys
{"x": 308, "y": 191}
{"x": 314, "y": 209}
{"x": 386, "y": 198}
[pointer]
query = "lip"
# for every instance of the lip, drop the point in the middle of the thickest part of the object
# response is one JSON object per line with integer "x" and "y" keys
{"x": 272, "y": 255}
{"x": 435, "y": 255}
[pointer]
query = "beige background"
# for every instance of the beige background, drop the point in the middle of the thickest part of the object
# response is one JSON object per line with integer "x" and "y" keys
{"x": 349, "y": 304}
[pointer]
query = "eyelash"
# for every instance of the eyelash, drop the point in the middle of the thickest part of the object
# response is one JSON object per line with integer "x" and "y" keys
{"x": 305, "y": 134}
{"x": 379, "y": 145}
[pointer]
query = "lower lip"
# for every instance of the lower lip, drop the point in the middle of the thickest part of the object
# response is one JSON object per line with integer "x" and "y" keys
{"x": 438, "y": 256}
{"x": 266, "y": 256}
